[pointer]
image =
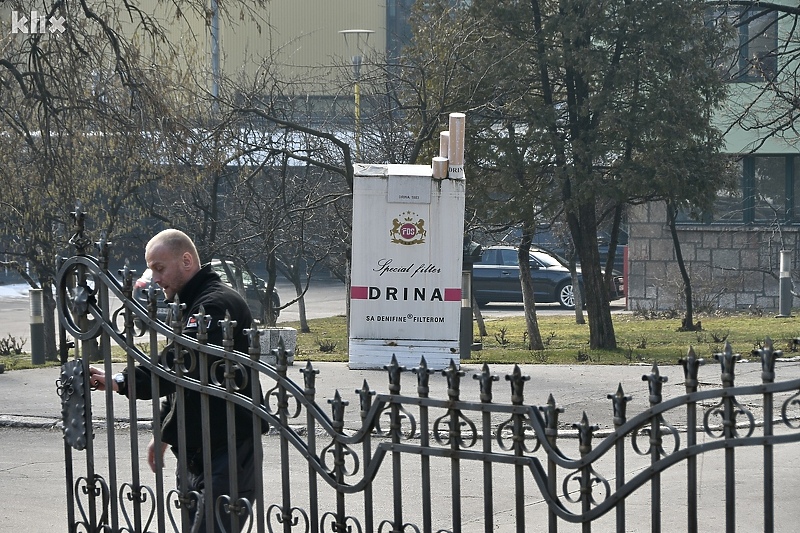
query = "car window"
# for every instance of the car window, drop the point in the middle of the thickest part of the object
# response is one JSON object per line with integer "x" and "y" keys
{"x": 510, "y": 257}
{"x": 247, "y": 281}
{"x": 490, "y": 257}
{"x": 545, "y": 259}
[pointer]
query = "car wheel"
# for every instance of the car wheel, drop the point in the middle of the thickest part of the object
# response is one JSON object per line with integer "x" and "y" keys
{"x": 566, "y": 296}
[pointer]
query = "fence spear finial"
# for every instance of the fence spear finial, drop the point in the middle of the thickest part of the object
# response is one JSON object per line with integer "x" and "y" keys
{"x": 655, "y": 382}
{"x": 486, "y": 378}
{"x": 517, "y": 385}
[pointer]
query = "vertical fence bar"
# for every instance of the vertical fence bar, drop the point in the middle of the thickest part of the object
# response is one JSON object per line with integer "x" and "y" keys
{"x": 281, "y": 365}
{"x": 691, "y": 365}
{"x": 111, "y": 445}
{"x": 179, "y": 355}
{"x": 63, "y": 351}
{"x": 768, "y": 355}
{"x": 254, "y": 351}
{"x": 517, "y": 381}
{"x": 85, "y": 354}
{"x": 337, "y": 411}
{"x": 551, "y": 412}
{"x": 310, "y": 391}
{"x": 423, "y": 389}
{"x": 202, "y": 320}
{"x": 585, "y": 432}
{"x": 655, "y": 382}
{"x": 233, "y": 508}
{"x": 136, "y": 486}
{"x": 620, "y": 403}
{"x": 730, "y": 474}
{"x": 161, "y": 510}
{"x": 486, "y": 379}
{"x": 395, "y": 430}
{"x": 454, "y": 376}
{"x": 727, "y": 360}
{"x": 365, "y": 397}
{"x": 85, "y": 350}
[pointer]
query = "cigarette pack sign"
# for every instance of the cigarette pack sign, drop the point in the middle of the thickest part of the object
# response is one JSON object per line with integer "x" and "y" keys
{"x": 405, "y": 297}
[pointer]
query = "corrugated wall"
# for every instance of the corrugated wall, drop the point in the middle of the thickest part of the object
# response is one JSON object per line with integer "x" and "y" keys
{"x": 298, "y": 39}
{"x": 301, "y": 39}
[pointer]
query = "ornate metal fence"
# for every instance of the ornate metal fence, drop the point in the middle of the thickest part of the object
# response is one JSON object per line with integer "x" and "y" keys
{"x": 413, "y": 463}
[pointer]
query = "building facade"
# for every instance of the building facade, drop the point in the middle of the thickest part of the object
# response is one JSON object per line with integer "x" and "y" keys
{"x": 733, "y": 253}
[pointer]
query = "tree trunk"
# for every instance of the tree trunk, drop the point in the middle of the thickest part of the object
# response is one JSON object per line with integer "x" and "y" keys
{"x": 528, "y": 299}
{"x": 687, "y": 324}
{"x": 272, "y": 277}
{"x": 301, "y": 303}
{"x": 576, "y": 288}
{"x": 583, "y": 227}
{"x": 476, "y": 312}
{"x": 612, "y": 245}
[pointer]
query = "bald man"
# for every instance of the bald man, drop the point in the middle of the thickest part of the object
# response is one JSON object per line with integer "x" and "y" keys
{"x": 175, "y": 263}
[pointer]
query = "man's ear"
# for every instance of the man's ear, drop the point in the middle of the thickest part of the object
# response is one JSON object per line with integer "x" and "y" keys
{"x": 187, "y": 260}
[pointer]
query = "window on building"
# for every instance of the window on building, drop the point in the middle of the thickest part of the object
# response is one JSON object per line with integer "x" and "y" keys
{"x": 769, "y": 191}
{"x": 751, "y": 51}
{"x": 794, "y": 178}
{"x": 728, "y": 208}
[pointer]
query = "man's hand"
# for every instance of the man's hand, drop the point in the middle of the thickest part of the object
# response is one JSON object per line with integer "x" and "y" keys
{"x": 97, "y": 379}
{"x": 151, "y": 453}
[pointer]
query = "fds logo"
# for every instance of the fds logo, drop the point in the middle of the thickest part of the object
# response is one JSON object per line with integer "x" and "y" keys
{"x": 38, "y": 23}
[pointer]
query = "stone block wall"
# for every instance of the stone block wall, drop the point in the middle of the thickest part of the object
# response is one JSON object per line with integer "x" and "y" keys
{"x": 732, "y": 267}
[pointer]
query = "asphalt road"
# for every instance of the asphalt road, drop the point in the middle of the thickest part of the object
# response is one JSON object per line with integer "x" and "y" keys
{"x": 324, "y": 298}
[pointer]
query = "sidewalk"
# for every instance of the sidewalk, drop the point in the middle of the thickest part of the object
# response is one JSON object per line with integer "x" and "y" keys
{"x": 28, "y": 398}
{"x": 32, "y": 478}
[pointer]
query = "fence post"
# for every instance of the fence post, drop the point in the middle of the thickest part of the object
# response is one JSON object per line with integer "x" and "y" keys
{"x": 37, "y": 326}
{"x": 785, "y": 298}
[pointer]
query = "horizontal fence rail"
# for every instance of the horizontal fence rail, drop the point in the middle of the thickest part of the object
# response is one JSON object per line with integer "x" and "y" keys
{"x": 414, "y": 463}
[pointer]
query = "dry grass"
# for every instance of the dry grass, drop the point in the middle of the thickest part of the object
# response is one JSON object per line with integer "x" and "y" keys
{"x": 638, "y": 339}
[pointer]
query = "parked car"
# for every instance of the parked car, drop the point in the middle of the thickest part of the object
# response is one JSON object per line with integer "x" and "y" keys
{"x": 496, "y": 278}
{"x": 555, "y": 242}
{"x": 229, "y": 271}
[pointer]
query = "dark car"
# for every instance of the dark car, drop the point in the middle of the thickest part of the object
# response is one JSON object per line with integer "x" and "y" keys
{"x": 252, "y": 287}
{"x": 496, "y": 278}
{"x": 556, "y": 242}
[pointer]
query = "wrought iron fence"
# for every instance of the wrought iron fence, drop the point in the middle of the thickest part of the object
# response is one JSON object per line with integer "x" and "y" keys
{"x": 414, "y": 462}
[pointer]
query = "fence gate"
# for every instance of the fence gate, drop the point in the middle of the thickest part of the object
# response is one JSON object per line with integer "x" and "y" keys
{"x": 413, "y": 462}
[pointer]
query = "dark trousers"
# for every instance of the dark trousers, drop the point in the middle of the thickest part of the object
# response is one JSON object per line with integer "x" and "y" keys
{"x": 220, "y": 486}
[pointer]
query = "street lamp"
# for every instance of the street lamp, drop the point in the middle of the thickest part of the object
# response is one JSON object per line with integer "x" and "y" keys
{"x": 360, "y": 37}
{"x": 215, "y": 73}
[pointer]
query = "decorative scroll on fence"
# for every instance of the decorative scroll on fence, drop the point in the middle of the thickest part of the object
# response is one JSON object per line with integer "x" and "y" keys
{"x": 414, "y": 463}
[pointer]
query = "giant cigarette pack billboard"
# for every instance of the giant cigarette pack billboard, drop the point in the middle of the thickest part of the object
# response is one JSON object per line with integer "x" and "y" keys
{"x": 405, "y": 296}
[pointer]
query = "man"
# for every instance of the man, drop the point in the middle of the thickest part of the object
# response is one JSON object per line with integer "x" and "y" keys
{"x": 175, "y": 263}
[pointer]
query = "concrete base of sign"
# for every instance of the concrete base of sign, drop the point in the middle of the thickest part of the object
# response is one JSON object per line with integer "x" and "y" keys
{"x": 368, "y": 354}
{"x": 270, "y": 340}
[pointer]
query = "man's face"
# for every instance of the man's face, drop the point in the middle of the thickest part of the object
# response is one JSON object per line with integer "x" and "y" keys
{"x": 171, "y": 271}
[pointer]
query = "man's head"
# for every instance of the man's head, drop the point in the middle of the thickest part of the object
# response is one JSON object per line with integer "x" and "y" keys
{"x": 173, "y": 258}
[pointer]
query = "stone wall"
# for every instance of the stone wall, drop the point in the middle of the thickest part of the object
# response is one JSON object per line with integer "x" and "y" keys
{"x": 731, "y": 267}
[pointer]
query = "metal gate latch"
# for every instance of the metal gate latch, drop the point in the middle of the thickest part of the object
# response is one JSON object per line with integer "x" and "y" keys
{"x": 70, "y": 388}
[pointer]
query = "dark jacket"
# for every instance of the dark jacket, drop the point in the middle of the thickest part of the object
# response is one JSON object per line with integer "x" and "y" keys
{"x": 205, "y": 289}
